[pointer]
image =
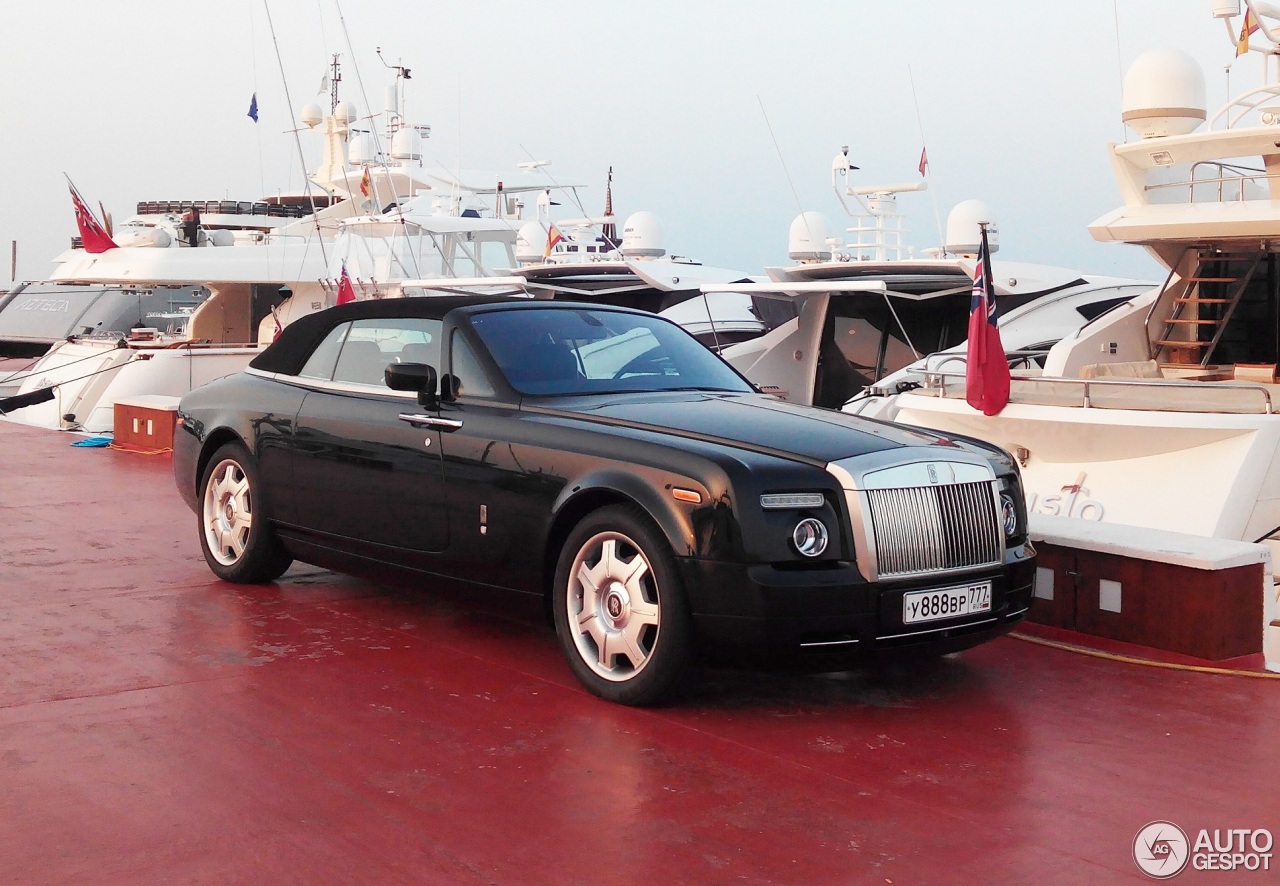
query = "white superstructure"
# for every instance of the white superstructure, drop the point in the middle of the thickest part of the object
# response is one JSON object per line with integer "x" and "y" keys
{"x": 1162, "y": 412}
{"x": 371, "y": 209}
{"x": 855, "y": 312}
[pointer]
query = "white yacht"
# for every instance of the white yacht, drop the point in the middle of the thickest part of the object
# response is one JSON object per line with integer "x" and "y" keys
{"x": 588, "y": 259}
{"x": 1162, "y": 413}
{"x": 863, "y": 310}
{"x": 371, "y": 210}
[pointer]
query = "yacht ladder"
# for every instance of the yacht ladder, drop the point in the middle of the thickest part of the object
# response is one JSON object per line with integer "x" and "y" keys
{"x": 1209, "y": 297}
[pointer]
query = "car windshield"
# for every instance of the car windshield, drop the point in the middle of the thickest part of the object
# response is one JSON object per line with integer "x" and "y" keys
{"x": 556, "y": 351}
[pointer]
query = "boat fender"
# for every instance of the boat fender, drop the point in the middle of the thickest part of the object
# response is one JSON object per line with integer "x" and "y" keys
{"x": 21, "y": 401}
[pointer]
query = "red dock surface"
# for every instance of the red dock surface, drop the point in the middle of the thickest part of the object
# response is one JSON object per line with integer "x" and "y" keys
{"x": 157, "y": 725}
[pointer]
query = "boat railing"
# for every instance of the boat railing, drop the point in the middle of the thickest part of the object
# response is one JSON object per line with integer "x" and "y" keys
{"x": 1251, "y": 101}
{"x": 1184, "y": 395}
{"x": 226, "y": 207}
{"x": 877, "y": 237}
{"x": 1016, "y": 359}
{"x": 1146, "y": 323}
{"x": 1231, "y": 181}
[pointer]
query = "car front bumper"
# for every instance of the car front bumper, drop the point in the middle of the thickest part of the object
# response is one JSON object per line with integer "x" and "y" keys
{"x": 831, "y": 616}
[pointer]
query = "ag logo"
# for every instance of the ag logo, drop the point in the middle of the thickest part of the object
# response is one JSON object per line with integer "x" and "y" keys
{"x": 1161, "y": 850}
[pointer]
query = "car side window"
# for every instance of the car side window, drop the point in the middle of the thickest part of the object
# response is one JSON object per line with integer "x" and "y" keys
{"x": 322, "y": 360}
{"x": 373, "y": 344}
{"x": 466, "y": 368}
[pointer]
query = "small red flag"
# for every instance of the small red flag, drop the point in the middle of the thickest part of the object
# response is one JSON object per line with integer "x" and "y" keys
{"x": 924, "y": 160}
{"x": 93, "y": 235}
{"x": 366, "y": 183}
{"x": 987, "y": 369}
{"x": 346, "y": 292}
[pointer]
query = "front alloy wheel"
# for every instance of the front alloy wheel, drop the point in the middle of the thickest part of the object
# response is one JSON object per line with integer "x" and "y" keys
{"x": 620, "y": 611}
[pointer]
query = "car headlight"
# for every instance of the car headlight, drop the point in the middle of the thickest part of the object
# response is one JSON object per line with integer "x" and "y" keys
{"x": 810, "y": 537}
{"x": 1009, "y": 514}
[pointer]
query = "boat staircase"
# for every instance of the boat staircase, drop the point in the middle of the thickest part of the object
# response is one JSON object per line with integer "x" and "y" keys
{"x": 1204, "y": 306}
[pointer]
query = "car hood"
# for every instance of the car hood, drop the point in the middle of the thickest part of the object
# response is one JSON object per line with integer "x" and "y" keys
{"x": 750, "y": 421}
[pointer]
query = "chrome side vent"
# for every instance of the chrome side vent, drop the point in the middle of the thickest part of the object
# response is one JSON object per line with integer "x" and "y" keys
{"x": 931, "y": 529}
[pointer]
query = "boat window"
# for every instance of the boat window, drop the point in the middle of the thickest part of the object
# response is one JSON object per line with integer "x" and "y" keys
{"x": 576, "y": 351}
{"x": 49, "y": 312}
{"x": 372, "y": 345}
{"x": 466, "y": 369}
{"x": 876, "y": 341}
{"x": 1098, "y": 308}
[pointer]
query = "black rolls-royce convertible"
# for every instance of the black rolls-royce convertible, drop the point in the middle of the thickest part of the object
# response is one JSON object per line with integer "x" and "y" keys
{"x": 601, "y": 458}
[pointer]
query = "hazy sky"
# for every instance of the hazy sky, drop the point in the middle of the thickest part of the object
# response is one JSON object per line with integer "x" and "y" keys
{"x": 147, "y": 100}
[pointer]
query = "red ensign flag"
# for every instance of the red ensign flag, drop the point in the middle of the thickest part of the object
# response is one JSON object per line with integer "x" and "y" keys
{"x": 987, "y": 372}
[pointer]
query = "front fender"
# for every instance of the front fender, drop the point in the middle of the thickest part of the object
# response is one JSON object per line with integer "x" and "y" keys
{"x": 650, "y": 489}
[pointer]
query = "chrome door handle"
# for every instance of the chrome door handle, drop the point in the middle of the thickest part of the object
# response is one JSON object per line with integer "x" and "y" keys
{"x": 430, "y": 421}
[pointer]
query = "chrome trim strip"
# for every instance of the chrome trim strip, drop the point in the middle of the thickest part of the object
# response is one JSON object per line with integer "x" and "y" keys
{"x": 431, "y": 421}
{"x": 1022, "y": 611}
{"x": 967, "y": 624}
{"x": 320, "y": 384}
{"x": 827, "y": 643}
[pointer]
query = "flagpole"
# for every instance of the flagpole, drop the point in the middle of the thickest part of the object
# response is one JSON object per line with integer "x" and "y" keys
{"x": 933, "y": 195}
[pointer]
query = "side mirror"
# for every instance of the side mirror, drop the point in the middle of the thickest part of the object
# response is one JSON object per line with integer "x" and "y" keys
{"x": 418, "y": 377}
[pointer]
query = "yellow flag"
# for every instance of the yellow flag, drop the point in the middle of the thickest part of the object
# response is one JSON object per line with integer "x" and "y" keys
{"x": 1250, "y": 25}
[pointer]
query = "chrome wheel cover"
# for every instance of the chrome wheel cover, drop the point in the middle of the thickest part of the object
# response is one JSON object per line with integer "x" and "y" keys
{"x": 227, "y": 513}
{"x": 612, "y": 603}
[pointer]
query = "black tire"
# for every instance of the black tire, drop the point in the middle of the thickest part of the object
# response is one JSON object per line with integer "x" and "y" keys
{"x": 634, "y": 646}
{"x": 238, "y": 542}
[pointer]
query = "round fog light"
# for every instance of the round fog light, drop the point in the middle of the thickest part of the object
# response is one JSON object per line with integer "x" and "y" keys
{"x": 1009, "y": 512}
{"x": 810, "y": 537}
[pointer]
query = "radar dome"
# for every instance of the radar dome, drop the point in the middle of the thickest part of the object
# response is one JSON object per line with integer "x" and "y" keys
{"x": 345, "y": 112}
{"x": 531, "y": 243}
{"x": 642, "y": 236}
{"x": 1163, "y": 94}
{"x": 406, "y": 144}
{"x": 312, "y": 115}
{"x": 361, "y": 150}
{"x": 964, "y": 234}
{"x": 807, "y": 240}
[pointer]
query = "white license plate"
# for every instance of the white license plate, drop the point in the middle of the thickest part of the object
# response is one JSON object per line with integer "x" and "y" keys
{"x": 919, "y": 606}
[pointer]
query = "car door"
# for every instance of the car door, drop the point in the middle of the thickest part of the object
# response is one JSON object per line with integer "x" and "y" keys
{"x": 502, "y": 476}
{"x": 365, "y": 474}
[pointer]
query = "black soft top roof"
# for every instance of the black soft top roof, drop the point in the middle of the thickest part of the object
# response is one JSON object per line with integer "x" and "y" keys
{"x": 290, "y": 351}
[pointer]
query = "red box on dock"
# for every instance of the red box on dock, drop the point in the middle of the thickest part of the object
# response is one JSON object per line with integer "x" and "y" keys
{"x": 145, "y": 423}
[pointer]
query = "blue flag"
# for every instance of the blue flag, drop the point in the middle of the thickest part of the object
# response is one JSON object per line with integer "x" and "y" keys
{"x": 253, "y": 107}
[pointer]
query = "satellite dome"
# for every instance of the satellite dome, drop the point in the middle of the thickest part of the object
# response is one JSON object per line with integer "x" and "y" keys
{"x": 361, "y": 150}
{"x": 531, "y": 243}
{"x": 807, "y": 240}
{"x": 642, "y": 236}
{"x": 1163, "y": 94}
{"x": 312, "y": 115}
{"x": 406, "y": 144}
{"x": 346, "y": 113}
{"x": 963, "y": 232}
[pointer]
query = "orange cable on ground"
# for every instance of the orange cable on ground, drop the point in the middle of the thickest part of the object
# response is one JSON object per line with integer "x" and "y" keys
{"x": 1129, "y": 659}
{"x": 119, "y": 448}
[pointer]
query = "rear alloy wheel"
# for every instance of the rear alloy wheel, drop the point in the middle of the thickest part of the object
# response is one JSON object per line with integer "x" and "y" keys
{"x": 235, "y": 535}
{"x": 620, "y": 610}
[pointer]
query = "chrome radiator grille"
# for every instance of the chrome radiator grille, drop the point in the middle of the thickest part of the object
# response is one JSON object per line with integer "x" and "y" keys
{"x": 922, "y": 529}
